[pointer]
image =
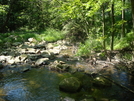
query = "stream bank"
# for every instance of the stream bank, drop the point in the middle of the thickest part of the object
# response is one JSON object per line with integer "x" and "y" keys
{"x": 33, "y": 72}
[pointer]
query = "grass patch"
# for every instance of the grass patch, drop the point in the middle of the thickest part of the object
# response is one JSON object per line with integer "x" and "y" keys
{"x": 89, "y": 46}
{"x": 49, "y": 35}
{"x": 52, "y": 35}
{"x": 126, "y": 42}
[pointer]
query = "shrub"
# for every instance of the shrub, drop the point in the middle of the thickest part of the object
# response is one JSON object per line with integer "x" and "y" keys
{"x": 89, "y": 46}
{"x": 52, "y": 35}
{"x": 126, "y": 42}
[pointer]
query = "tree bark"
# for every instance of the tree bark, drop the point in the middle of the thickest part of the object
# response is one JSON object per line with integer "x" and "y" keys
{"x": 103, "y": 14}
{"x": 113, "y": 29}
{"x": 132, "y": 6}
{"x": 123, "y": 18}
{"x": 4, "y": 27}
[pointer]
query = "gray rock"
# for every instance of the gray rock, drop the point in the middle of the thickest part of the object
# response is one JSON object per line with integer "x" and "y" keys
{"x": 71, "y": 84}
{"x": 41, "y": 61}
{"x": 30, "y": 50}
{"x": 23, "y": 68}
{"x": 54, "y": 51}
{"x": 50, "y": 46}
{"x": 20, "y": 50}
{"x": 32, "y": 40}
{"x": 23, "y": 57}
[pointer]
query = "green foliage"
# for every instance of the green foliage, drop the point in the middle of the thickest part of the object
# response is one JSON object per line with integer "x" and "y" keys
{"x": 89, "y": 46}
{"x": 48, "y": 35}
{"x": 51, "y": 35}
{"x": 126, "y": 42}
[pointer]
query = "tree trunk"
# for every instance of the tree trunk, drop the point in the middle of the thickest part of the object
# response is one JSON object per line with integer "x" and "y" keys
{"x": 103, "y": 14}
{"x": 4, "y": 27}
{"x": 123, "y": 18}
{"x": 132, "y": 6}
{"x": 113, "y": 28}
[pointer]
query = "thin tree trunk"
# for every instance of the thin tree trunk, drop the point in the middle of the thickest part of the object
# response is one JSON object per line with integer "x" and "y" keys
{"x": 103, "y": 14}
{"x": 113, "y": 28}
{"x": 132, "y": 6}
{"x": 123, "y": 18}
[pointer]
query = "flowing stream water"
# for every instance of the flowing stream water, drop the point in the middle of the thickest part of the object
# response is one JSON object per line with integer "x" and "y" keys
{"x": 43, "y": 85}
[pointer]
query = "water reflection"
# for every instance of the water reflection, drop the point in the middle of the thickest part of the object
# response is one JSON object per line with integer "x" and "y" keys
{"x": 42, "y": 85}
{"x": 35, "y": 85}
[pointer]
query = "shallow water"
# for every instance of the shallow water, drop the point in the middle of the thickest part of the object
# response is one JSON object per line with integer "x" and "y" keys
{"x": 35, "y": 85}
{"x": 42, "y": 85}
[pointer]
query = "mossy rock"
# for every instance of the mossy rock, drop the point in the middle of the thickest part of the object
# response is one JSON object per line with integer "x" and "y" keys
{"x": 71, "y": 84}
{"x": 101, "y": 82}
{"x": 85, "y": 80}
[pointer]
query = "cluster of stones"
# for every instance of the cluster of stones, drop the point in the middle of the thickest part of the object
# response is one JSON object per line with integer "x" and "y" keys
{"x": 24, "y": 56}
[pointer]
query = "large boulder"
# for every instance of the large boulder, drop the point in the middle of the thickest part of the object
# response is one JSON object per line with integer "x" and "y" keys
{"x": 71, "y": 84}
{"x": 86, "y": 81}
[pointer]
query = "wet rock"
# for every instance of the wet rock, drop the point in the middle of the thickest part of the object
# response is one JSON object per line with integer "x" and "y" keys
{"x": 86, "y": 81}
{"x": 1, "y": 66}
{"x": 23, "y": 57}
{"x": 101, "y": 82}
{"x": 24, "y": 68}
{"x": 1, "y": 76}
{"x": 67, "y": 99}
{"x": 71, "y": 84}
{"x": 41, "y": 61}
{"x": 130, "y": 65}
{"x": 60, "y": 66}
{"x": 63, "y": 67}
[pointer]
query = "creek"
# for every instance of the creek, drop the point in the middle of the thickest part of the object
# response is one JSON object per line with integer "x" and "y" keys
{"x": 42, "y": 84}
